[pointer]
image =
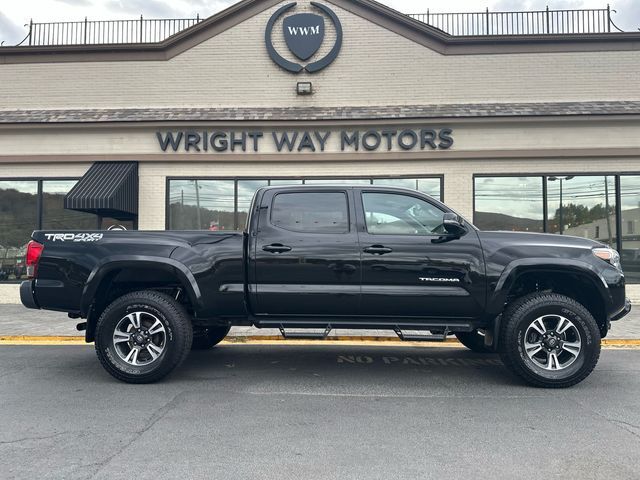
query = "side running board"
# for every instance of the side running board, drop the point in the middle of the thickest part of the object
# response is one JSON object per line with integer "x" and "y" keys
{"x": 305, "y": 335}
{"x": 421, "y": 338}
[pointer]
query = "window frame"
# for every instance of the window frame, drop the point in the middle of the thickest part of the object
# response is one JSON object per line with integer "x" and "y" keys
{"x": 301, "y": 178}
{"x": 617, "y": 175}
{"x": 365, "y": 227}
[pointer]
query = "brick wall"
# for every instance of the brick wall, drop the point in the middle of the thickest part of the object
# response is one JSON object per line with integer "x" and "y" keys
{"x": 375, "y": 67}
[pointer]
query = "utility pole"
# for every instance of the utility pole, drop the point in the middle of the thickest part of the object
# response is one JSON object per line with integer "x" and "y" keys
{"x": 198, "y": 219}
{"x": 606, "y": 209}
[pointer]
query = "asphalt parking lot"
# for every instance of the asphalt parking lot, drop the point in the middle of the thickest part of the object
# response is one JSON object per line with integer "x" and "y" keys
{"x": 314, "y": 411}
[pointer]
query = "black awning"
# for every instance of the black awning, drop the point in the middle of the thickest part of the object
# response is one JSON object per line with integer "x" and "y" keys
{"x": 109, "y": 189}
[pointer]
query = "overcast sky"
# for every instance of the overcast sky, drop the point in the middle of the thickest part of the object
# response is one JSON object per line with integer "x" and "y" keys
{"x": 14, "y": 14}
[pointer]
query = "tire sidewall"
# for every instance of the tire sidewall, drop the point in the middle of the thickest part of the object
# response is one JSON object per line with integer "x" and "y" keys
{"x": 106, "y": 347}
{"x": 589, "y": 337}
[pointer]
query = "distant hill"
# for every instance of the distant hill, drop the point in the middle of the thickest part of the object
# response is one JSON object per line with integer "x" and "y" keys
{"x": 499, "y": 221}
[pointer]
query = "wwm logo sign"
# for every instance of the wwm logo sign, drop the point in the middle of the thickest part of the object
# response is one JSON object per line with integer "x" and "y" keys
{"x": 304, "y": 34}
{"x": 304, "y": 31}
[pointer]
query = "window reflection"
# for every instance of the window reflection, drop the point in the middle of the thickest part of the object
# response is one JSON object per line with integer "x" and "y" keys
{"x": 338, "y": 181}
{"x": 246, "y": 190}
{"x": 630, "y": 216}
{"x": 18, "y": 218}
{"x": 430, "y": 186}
{"x": 285, "y": 181}
{"x": 55, "y": 216}
{"x": 202, "y": 205}
{"x": 582, "y": 206}
{"x": 509, "y": 203}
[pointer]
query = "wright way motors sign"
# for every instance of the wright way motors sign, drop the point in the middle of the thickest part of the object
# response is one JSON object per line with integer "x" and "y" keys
{"x": 308, "y": 141}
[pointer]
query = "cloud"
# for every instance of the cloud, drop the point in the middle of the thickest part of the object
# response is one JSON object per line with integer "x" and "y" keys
{"x": 148, "y": 8}
{"x": 77, "y": 3}
{"x": 10, "y": 33}
{"x": 626, "y": 15}
{"x": 520, "y": 5}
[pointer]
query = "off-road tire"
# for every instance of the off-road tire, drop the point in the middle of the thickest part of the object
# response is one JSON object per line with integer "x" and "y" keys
{"x": 208, "y": 337}
{"x": 520, "y": 314}
{"x": 178, "y": 336}
{"x": 473, "y": 341}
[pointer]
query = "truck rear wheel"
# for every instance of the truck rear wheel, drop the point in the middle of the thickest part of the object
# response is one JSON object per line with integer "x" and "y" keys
{"x": 209, "y": 337}
{"x": 142, "y": 336}
{"x": 549, "y": 340}
{"x": 473, "y": 341}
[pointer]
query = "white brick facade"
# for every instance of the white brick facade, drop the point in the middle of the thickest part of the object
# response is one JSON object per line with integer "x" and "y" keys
{"x": 376, "y": 67}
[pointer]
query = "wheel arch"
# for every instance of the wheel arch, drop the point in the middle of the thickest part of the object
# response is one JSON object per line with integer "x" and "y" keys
{"x": 574, "y": 279}
{"x": 116, "y": 276}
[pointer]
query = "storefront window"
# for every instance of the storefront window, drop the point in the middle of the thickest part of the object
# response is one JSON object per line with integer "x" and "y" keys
{"x": 578, "y": 205}
{"x": 201, "y": 205}
{"x": 630, "y": 215}
{"x": 582, "y": 206}
{"x": 246, "y": 190}
{"x": 18, "y": 218}
{"x": 54, "y": 215}
{"x": 430, "y": 186}
{"x": 338, "y": 181}
{"x": 509, "y": 203}
{"x": 285, "y": 181}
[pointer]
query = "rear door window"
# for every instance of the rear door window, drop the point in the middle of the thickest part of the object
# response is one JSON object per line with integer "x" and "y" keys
{"x": 311, "y": 212}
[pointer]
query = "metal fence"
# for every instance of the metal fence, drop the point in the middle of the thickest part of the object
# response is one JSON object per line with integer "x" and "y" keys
{"x": 106, "y": 31}
{"x": 539, "y": 22}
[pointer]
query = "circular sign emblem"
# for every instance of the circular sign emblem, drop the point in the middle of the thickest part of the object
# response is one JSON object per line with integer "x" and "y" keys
{"x": 304, "y": 34}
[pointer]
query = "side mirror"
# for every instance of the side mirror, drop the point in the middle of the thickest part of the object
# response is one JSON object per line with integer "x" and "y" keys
{"x": 453, "y": 224}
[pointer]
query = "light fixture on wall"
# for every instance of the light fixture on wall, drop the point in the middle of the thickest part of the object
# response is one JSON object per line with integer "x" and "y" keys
{"x": 304, "y": 88}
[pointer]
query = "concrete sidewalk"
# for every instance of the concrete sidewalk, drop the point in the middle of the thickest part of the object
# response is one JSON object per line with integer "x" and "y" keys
{"x": 16, "y": 320}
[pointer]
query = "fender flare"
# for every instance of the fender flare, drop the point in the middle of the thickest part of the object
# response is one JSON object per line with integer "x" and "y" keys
{"x": 514, "y": 270}
{"x": 115, "y": 262}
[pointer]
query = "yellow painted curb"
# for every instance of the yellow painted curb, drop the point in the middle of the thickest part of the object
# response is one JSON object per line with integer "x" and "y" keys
{"x": 41, "y": 340}
{"x": 277, "y": 340}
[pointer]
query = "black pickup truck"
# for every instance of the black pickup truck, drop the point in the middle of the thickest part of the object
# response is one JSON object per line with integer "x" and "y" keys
{"x": 318, "y": 258}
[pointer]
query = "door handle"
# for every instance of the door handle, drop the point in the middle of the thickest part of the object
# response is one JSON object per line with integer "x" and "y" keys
{"x": 377, "y": 250}
{"x": 276, "y": 248}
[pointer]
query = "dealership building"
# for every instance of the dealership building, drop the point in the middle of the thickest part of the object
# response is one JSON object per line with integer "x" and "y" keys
{"x": 158, "y": 125}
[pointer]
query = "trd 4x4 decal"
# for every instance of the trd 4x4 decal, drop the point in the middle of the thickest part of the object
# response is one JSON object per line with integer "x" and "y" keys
{"x": 74, "y": 237}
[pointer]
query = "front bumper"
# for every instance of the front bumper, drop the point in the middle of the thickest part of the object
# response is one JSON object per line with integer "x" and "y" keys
{"x": 27, "y": 296}
{"x": 622, "y": 313}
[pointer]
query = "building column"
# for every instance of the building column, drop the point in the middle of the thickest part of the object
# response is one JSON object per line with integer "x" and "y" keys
{"x": 458, "y": 193}
{"x": 151, "y": 198}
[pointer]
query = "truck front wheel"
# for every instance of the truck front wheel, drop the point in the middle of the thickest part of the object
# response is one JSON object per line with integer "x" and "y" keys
{"x": 209, "y": 337}
{"x": 142, "y": 336}
{"x": 549, "y": 340}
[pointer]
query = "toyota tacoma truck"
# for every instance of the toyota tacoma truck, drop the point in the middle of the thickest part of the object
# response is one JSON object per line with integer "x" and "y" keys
{"x": 312, "y": 259}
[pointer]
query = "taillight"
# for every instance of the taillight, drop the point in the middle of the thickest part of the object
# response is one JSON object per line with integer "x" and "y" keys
{"x": 34, "y": 251}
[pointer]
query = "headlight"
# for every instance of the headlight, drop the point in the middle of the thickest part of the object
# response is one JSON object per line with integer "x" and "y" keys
{"x": 608, "y": 255}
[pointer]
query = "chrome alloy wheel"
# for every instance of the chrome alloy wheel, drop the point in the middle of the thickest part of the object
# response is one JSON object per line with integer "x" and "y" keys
{"x": 552, "y": 342}
{"x": 139, "y": 338}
